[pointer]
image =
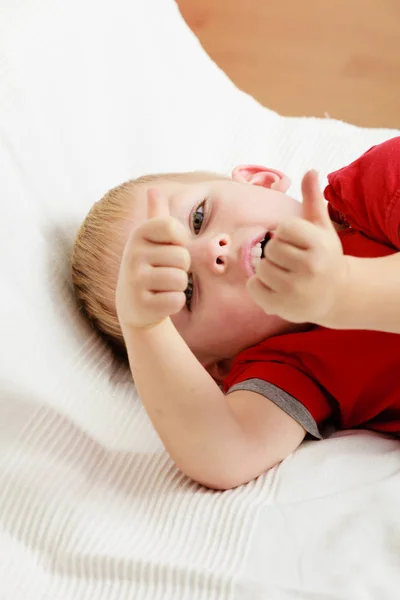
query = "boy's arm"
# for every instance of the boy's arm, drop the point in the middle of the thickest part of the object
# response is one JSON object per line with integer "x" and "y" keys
{"x": 371, "y": 298}
{"x": 220, "y": 441}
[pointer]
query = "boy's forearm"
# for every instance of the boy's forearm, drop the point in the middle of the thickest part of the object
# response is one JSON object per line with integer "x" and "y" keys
{"x": 186, "y": 406}
{"x": 372, "y": 297}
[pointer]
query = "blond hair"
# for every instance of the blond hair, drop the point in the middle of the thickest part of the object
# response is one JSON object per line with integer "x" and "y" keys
{"x": 98, "y": 249}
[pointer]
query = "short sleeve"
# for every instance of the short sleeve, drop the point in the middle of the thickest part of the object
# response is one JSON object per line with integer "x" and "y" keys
{"x": 289, "y": 388}
{"x": 366, "y": 193}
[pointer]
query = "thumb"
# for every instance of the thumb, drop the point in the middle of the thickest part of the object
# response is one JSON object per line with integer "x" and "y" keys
{"x": 158, "y": 208}
{"x": 157, "y": 204}
{"x": 314, "y": 205}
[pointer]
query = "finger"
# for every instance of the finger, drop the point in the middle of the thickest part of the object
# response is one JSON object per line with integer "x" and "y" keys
{"x": 164, "y": 230}
{"x": 157, "y": 204}
{"x": 165, "y": 303}
{"x": 298, "y": 232}
{"x": 262, "y": 295}
{"x": 284, "y": 255}
{"x": 165, "y": 279}
{"x": 314, "y": 205}
{"x": 168, "y": 256}
{"x": 273, "y": 277}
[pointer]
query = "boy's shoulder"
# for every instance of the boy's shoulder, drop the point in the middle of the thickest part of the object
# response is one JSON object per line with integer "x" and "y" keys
{"x": 322, "y": 354}
{"x": 326, "y": 378}
{"x": 366, "y": 193}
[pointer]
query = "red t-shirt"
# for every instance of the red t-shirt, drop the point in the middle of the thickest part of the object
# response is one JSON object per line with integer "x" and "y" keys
{"x": 340, "y": 379}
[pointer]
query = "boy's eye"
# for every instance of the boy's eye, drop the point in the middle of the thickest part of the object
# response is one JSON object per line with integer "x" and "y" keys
{"x": 198, "y": 217}
{"x": 189, "y": 292}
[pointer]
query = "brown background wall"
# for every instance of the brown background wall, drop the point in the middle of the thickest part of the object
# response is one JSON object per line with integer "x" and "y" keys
{"x": 308, "y": 57}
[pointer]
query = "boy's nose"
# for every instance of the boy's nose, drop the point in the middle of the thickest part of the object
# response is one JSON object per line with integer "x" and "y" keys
{"x": 212, "y": 253}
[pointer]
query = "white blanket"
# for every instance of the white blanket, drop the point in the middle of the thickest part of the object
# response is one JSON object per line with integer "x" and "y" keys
{"x": 91, "y": 507}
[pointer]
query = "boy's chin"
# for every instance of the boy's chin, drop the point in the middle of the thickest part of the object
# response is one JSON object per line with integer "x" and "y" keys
{"x": 281, "y": 327}
{"x": 219, "y": 369}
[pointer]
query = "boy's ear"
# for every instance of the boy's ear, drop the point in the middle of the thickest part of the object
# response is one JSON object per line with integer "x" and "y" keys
{"x": 263, "y": 176}
{"x": 219, "y": 370}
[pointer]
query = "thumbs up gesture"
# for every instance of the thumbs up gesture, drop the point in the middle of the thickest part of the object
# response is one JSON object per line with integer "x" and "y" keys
{"x": 153, "y": 273}
{"x": 304, "y": 271}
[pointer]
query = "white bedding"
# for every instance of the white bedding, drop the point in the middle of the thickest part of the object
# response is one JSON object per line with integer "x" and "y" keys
{"x": 91, "y": 507}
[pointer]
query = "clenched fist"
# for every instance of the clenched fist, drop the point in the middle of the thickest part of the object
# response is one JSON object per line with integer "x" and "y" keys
{"x": 153, "y": 274}
{"x": 304, "y": 273}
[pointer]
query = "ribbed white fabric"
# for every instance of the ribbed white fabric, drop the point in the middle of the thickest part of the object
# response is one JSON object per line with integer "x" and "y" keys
{"x": 91, "y": 507}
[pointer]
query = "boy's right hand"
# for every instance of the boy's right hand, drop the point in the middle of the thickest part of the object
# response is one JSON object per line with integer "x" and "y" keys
{"x": 153, "y": 273}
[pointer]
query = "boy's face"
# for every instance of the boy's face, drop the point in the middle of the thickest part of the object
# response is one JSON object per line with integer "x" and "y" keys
{"x": 225, "y": 218}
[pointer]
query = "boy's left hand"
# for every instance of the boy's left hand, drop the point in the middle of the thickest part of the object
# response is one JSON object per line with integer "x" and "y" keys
{"x": 304, "y": 271}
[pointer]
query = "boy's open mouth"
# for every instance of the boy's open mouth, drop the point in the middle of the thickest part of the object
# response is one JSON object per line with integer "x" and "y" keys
{"x": 257, "y": 252}
{"x": 264, "y": 242}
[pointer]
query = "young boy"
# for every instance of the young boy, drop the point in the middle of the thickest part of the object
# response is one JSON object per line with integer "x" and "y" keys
{"x": 169, "y": 266}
